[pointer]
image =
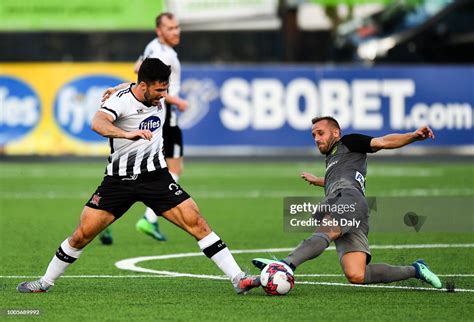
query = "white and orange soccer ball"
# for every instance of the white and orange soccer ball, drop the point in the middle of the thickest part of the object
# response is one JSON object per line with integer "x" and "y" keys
{"x": 277, "y": 279}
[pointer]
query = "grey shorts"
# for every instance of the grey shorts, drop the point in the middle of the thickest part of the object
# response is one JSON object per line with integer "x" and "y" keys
{"x": 355, "y": 241}
{"x": 348, "y": 208}
{"x": 353, "y": 238}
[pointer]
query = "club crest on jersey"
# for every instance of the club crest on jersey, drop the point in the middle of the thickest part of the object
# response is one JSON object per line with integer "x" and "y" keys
{"x": 151, "y": 123}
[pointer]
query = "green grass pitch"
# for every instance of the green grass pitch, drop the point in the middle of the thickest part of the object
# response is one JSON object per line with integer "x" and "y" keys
{"x": 41, "y": 202}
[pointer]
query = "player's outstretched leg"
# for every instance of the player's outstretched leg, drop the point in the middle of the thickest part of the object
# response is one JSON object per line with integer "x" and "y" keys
{"x": 384, "y": 273}
{"x": 92, "y": 222}
{"x": 186, "y": 215}
{"x": 65, "y": 256}
{"x": 357, "y": 272}
{"x": 308, "y": 249}
{"x": 149, "y": 225}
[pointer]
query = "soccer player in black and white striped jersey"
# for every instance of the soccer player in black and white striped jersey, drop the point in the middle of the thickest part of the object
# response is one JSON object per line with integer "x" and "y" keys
{"x": 132, "y": 119}
{"x": 168, "y": 37}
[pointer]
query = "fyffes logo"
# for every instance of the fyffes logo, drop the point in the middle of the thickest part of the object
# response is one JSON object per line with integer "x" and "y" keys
{"x": 20, "y": 109}
{"x": 151, "y": 123}
{"x": 77, "y": 102}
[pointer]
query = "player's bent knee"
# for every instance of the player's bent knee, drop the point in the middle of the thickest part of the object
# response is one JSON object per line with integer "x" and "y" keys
{"x": 78, "y": 239}
{"x": 355, "y": 277}
{"x": 201, "y": 229}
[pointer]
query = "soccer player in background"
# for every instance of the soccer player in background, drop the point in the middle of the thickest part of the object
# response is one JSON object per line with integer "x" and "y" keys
{"x": 132, "y": 119}
{"x": 168, "y": 37}
{"x": 344, "y": 185}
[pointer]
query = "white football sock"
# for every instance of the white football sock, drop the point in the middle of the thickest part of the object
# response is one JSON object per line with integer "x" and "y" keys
{"x": 65, "y": 256}
{"x": 214, "y": 248}
{"x": 150, "y": 216}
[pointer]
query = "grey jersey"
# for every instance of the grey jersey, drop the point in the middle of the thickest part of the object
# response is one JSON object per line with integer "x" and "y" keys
{"x": 346, "y": 164}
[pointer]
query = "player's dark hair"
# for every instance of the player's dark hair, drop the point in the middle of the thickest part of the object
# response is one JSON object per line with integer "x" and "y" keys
{"x": 153, "y": 70}
{"x": 330, "y": 119}
{"x": 160, "y": 17}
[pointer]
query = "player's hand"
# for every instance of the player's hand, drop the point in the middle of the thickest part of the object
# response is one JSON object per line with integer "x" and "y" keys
{"x": 139, "y": 134}
{"x": 182, "y": 105}
{"x": 308, "y": 177}
{"x": 107, "y": 93}
{"x": 424, "y": 133}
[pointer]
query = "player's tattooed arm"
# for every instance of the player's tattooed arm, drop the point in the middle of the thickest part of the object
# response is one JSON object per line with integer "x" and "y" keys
{"x": 102, "y": 123}
{"x": 395, "y": 141}
{"x": 312, "y": 179}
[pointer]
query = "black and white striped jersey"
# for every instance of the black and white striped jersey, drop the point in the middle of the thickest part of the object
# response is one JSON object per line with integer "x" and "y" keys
{"x": 128, "y": 157}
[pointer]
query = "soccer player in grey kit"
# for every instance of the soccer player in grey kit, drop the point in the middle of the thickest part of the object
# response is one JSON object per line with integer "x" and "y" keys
{"x": 344, "y": 184}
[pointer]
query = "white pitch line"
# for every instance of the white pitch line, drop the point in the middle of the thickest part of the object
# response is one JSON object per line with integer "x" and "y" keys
{"x": 223, "y": 277}
{"x": 131, "y": 263}
{"x": 92, "y": 276}
{"x": 217, "y": 277}
{"x": 279, "y": 250}
{"x": 385, "y": 286}
{"x": 342, "y": 275}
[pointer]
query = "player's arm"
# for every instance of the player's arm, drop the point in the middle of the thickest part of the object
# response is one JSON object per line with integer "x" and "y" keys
{"x": 137, "y": 65}
{"x": 395, "y": 141}
{"x": 180, "y": 103}
{"x": 111, "y": 90}
{"x": 312, "y": 179}
{"x": 102, "y": 123}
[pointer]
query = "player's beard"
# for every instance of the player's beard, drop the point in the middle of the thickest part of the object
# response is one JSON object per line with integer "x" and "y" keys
{"x": 327, "y": 145}
{"x": 149, "y": 100}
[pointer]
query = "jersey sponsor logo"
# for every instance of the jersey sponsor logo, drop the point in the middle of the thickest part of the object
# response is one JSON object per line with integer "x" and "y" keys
{"x": 331, "y": 164}
{"x": 151, "y": 123}
{"x": 360, "y": 178}
{"x": 20, "y": 109}
{"x": 77, "y": 102}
